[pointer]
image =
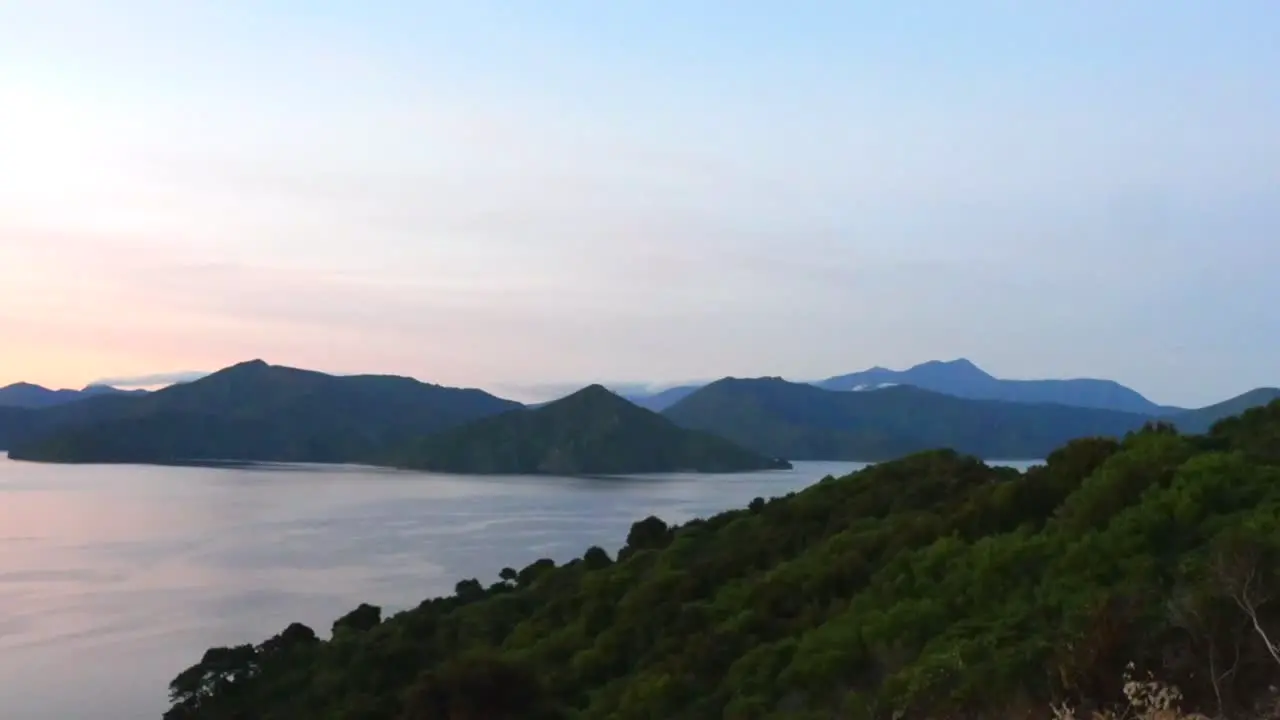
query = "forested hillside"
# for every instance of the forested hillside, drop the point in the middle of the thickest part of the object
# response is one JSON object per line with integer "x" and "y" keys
{"x": 1201, "y": 419}
{"x": 929, "y": 587}
{"x": 256, "y": 412}
{"x": 14, "y": 425}
{"x": 592, "y": 431}
{"x": 801, "y": 422}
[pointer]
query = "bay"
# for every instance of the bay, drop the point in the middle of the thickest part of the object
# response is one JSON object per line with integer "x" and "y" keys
{"x": 114, "y": 578}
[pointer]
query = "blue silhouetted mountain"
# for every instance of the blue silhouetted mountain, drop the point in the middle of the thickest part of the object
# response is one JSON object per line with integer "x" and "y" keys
{"x": 1202, "y": 419}
{"x": 27, "y": 395}
{"x": 962, "y": 378}
{"x": 801, "y": 422}
{"x": 16, "y": 425}
{"x": 590, "y": 432}
{"x": 255, "y": 412}
{"x": 662, "y": 399}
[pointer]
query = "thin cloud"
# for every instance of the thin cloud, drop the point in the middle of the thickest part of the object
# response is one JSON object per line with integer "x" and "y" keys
{"x": 144, "y": 381}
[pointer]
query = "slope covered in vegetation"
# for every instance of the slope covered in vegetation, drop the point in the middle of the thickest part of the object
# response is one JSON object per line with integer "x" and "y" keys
{"x": 254, "y": 411}
{"x": 15, "y": 426}
{"x": 929, "y": 587}
{"x": 1201, "y": 419}
{"x": 802, "y": 422}
{"x": 592, "y": 431}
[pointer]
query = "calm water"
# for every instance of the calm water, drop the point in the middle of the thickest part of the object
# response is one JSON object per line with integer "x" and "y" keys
{"x": 115, "y": 578}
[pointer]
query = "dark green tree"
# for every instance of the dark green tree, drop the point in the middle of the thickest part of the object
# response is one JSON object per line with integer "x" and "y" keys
{"x": 363, "y": 618}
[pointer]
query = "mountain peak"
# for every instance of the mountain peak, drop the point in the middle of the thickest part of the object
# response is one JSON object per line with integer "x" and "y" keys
{"x": 958, "y": 365}
{"x": 99, "y": 389}
{"x": 961, "y": 377}
{"x": 26, "y": 386}
{"x": 591, "y": 396}
{"x": 250, "y": 365}
{"x": 592, "y": 431}
{"x": 28, "y": 395}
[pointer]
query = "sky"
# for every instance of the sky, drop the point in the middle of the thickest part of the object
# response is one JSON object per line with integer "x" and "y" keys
{"x": 522, "y": 194}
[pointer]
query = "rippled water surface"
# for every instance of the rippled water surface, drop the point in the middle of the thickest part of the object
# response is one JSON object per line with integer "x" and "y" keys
{"x": 115, "y": 578}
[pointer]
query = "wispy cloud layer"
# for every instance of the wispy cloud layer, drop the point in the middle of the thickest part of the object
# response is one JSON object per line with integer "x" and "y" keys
{"x": 153, "y": 380}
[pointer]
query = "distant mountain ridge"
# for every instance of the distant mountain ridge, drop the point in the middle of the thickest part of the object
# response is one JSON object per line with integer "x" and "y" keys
{"x": 964, "y": 379}
{"x": 960, "y": 378}
{"x": 662, "y": 399}
{"x": 800, "y": 421}
{"x": 28, "y": 395}
{"x": 1202, "y": 419}
{"x": 254, "y": 411}
{"x": 593, "y": 431}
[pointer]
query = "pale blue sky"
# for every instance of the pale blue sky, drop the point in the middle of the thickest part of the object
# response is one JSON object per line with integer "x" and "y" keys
{"x": 517, "y": 193}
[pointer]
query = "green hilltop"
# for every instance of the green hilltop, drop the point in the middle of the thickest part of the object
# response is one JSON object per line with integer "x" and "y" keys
{"x": 592, "y": 431}
{"x": 933, "y": 586}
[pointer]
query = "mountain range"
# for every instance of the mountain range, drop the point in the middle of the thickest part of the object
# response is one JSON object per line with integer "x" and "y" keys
{"x": 802, "y": 422}
{"x": 27, "y": 395}
{"x": 258, "y": 412}
{"x": 253, "y": 411}
{"x": 961, "y": 378}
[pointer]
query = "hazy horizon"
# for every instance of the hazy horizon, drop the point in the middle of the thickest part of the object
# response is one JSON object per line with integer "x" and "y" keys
{"x": 509, "y": 195}
{"x": 531, "y": 392}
